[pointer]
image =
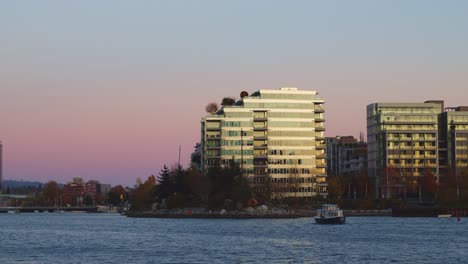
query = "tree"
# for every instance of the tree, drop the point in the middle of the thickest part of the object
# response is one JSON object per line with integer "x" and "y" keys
{"x": 335, "y": 189}
{"x": 264, "y": 189}
{"x": 199, "y": 184}
{"x": 227, "y": 183}
{"x": 142, "y": 198}
{"x": 78, "y": 180}
{"x": 180, "y": 180}
{"x": 195, "y": 157}
{"x": 227, "y": 101}
{"x": 88, "y": 200}
{"x": 428, "y": 183}
{"x": 165, "y": 186}
{"x": 447, "y": 193}
{"x": 464, "y": 184}
{"x": 51, "y": 193}
{"x": 117, "y": 195}
{"x": 211, "y": 108}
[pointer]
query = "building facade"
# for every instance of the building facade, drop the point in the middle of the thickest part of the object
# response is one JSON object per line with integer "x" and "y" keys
{"x": 453, "y": 152}
{"x": 346, "y": 156}
{"x": 410, "y": 140}
{"x": 403, "y": 144}
{"x": 74, "y": 193}
{"x": 275, "y": 135}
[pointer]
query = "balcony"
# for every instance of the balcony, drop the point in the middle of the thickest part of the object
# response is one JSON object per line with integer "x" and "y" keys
{"x": 213, "y": 147}
{"x": 319, "y": 109}
{"x": 260, "y": 147}
{"x": 260, "y": 128}
{"x": 320, "y": 146}
{"x": 262, "y": 164}
{"x": 213, "y": 128}
{"x": 321, "y": 156}
{"x": 320, "y": 128}
{"x": 320, "y": 165}
{"x": 260, "y": 118}
{"x": 319, "y": 120}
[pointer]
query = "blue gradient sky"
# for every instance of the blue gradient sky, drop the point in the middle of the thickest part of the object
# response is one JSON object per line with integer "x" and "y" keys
{"x": 109, "y": 89}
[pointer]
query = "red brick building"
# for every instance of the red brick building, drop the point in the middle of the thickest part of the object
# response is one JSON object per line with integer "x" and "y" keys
{"x": 75, "y": 194}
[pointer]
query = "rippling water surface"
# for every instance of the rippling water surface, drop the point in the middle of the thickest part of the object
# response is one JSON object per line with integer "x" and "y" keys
{"x": 111, "y": 238}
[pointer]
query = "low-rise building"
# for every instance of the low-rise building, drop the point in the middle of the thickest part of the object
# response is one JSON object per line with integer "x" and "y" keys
{"x": 346, "y": 156}
{"x": 74, "y": 193}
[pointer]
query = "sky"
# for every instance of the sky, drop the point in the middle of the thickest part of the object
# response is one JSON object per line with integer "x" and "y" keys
{"x": 109, "y": 90}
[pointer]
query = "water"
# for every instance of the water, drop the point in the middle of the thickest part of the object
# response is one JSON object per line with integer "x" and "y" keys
{"x": 111, "y": 238}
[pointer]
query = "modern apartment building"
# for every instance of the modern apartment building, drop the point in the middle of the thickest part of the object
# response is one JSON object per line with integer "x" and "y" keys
{"x": 276, "y": 135}
{"x": 402, "y": 143}
{"x": 453, "y": 153}
{"x": 346, "y": 156}
{"x": 409, "y": 140}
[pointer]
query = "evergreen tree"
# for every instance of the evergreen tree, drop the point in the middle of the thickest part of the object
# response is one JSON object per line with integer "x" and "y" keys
{"x": 165, "y": 184}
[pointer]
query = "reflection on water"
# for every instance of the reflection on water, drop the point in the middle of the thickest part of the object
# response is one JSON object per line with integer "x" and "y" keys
{"x": 111, "y": 238}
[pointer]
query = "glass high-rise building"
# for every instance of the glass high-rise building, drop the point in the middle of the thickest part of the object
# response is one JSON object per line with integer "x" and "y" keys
{"x": 402, "y": 143}
{"x": 410, "y": 140}
{"x": 275, "y": 136}
{"x": 454, "y": 149}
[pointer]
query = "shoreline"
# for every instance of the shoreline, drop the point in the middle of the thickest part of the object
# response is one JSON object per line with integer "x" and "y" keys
{"x": 273, "y": 214}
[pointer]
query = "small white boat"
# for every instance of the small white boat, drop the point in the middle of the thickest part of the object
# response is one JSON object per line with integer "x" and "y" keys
{"x": 13, "y": 211}
{"x": 444, "y": 216}
{"x": 330, "y": 214}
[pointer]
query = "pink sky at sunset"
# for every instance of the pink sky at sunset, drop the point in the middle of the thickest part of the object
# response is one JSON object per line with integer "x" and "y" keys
{"x": 110, "y": 95}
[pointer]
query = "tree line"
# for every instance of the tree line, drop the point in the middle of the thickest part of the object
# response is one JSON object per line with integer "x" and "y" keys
{"x": 179, "y": 187}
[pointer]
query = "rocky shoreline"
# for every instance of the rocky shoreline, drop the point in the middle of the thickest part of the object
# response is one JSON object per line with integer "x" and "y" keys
{"x": 247, "y": 213}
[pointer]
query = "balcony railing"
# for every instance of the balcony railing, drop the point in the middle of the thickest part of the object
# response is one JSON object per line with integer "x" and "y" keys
{"x": 319, "y": 109}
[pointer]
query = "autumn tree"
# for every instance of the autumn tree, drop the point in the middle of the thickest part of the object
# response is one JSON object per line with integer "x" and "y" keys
{"x": 335, "y": 189}
{"x": 464, "y": 184}
{"x": 199, "y": 184}
{"x": 142, "y": 198}
{"x": 428, "y": 183}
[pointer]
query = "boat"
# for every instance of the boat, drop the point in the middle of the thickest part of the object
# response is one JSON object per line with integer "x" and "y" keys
{"x": 330, "y": 214}
{"x": 444, "y": 216}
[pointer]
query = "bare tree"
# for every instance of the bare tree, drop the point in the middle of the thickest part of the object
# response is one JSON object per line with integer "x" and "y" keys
{"x": 211, "y": 108}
